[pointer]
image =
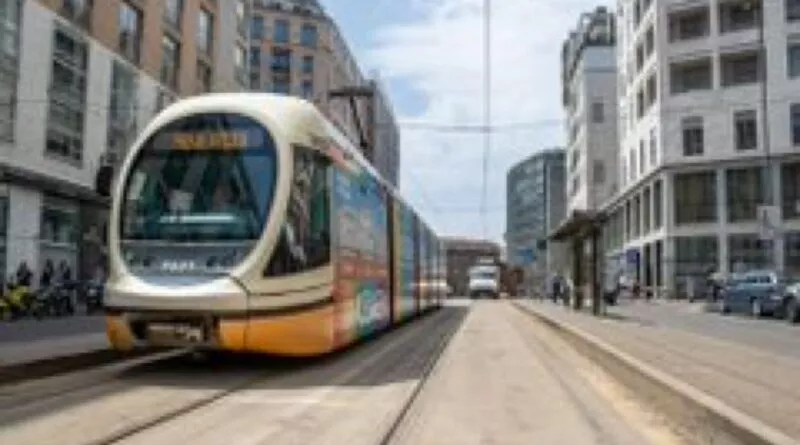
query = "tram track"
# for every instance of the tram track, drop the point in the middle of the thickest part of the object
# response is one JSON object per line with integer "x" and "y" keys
{"x": 366, "y": 365}
{"x": 320, "y": 380}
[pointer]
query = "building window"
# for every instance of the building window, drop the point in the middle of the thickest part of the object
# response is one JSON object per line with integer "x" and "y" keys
{"x": 642, "y": 154}
{"x": 9, "y": 66}
{"x": 79, "y": 11}
{"x": 204, "y": 76}
{"x": 255, "y": 80}
{"x": 658, "y": 203}
{"x": 653, "y": 147}
{"x": 740, "y": 68}
{"x": 598, "y": 113}
{"x": 123, "y": 104}
{"x": 745, "y": 192}
{"x": 241, "y": 18}
{"x": 793, "y": 59}
{"x": 628, "y": 228}
{"x": 599, "y": 173}
{"x": 636, "y": 219}
{"x": 255, "y": 58}
{"x": 652, "y": 90}
{"x": 281, "y": 31}
{"x": 307, "y": 89}
{"x": 67, "y": 98}
{"x": 647, "y": 199}
{"x": 738, "y": 15}
{"x": 170, "y": 61}
{"x": 281, "y": 60}
{"x": 792, "y": 10}
{"x": 695, "y": 256}
{"x": 746, "y": 130}
{"x": 240, "y": 61}
{"x": 747, "y": 252}
{"x": 58, "y": 226}
{"x": 640, "y": 105}
{"x": 795, "y": 118}
{"x": 257, "y": 28}
{"x": 309, "y": 36}
{"x": 308, "y": 64}
{"x": 695, "y": 197}
{"x": 693, "y": 136}
{"x": 690, "y": 76}
{"x": 281, "y": 85}
{"x": 792, "y": 253}
{"x": 164, "y": 99}
{"x": 205, "y": 31}
{"x": 649, "y": 41}
{"x": 130, "y": 31}
{"x": 790, "y": 177}
{"x": 632, "y": 160}
{"x": 173, "y": 11}
{"x": 689, "y": 24}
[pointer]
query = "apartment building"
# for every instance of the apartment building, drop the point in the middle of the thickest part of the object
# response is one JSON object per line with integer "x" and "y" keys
{"x": 589, "y": 82}
{"x": 709, "y": 125}
{"x": 78, "y": 80}
{"x": 297, "y": 48}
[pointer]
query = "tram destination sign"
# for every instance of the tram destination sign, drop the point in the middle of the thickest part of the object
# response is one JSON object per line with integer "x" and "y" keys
{"x": 209, "y": 140}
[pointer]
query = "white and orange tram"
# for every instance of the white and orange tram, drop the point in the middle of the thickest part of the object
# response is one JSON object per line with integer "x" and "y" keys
{"x": 248, "y": 222}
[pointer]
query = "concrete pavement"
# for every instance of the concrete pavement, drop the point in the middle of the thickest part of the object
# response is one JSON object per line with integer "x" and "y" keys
{"x": 507, "y": 380}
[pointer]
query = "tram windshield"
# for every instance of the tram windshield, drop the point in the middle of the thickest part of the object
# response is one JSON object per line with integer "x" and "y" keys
{"x": 206, "y": 178}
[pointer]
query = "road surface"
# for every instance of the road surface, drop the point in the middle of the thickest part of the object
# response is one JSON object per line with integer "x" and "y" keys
{"x": 767, "y": 334}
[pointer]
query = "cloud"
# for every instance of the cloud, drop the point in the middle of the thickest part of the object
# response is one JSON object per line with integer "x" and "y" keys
{"x": 439, "y": 55}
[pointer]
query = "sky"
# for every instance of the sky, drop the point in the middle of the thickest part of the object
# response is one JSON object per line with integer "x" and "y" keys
{"x": 429, "y": 54}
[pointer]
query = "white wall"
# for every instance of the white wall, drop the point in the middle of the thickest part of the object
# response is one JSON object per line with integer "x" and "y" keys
{"x": 24, "y": 221}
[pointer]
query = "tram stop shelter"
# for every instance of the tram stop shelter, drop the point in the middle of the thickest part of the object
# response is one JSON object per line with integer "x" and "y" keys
{"x": 581, "y": 231}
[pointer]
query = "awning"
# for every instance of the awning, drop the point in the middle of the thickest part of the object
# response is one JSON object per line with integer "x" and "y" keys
{"x": 579, "y": 223}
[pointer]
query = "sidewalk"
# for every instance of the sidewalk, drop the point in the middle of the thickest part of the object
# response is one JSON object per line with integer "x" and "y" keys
{"x": 759, "y": 383}
{"x": 22, "y": 352}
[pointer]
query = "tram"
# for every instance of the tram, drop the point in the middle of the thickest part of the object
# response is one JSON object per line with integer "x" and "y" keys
{"x": 247, "y": 222}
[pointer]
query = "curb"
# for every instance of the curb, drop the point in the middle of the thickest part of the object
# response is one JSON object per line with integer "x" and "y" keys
{"x": 59, "y": 365}
{"x": 698, "y": 414}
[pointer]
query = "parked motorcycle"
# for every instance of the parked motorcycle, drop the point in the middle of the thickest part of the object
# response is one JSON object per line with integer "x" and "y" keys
{"x": 93, "y": 296}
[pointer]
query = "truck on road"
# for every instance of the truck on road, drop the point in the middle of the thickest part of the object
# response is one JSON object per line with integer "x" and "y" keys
{"x": 484, "y": 280}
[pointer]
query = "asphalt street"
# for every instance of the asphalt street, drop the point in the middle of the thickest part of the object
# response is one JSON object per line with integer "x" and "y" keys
{"x": 766, "y": 333}
{"x": 31, "y": 330}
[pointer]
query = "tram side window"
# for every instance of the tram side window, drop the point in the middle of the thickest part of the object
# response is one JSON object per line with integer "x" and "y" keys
{"x": 304, "y": 241}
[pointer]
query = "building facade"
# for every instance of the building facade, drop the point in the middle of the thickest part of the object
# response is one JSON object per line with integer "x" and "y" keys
{"x": 536, "y": 205}
{"x": 385, "y": 135}
{"x": 297, "y": 48}
{"x": 709, "y": 123}
{"x": 461, "y": 255}
{"x": 589, "y": 82}
{"x": 78, "y": 81}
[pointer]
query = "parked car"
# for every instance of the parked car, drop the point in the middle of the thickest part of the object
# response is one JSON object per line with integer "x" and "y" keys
{"x": 757, "y": 293}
